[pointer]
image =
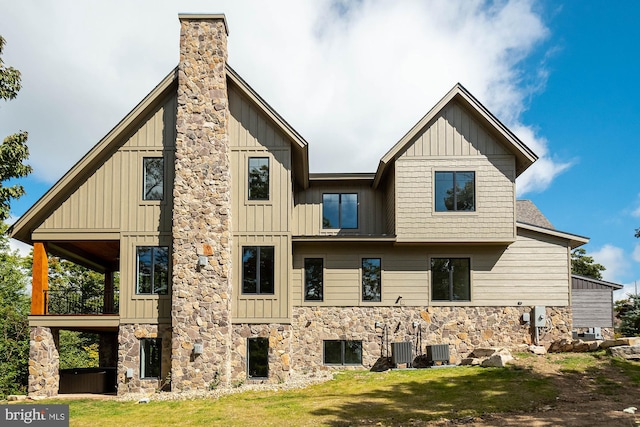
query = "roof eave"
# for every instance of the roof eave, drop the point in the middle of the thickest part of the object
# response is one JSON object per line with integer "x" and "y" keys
{"x": 573, "y": 239}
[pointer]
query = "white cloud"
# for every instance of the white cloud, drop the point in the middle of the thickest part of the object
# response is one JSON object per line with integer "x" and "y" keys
{"x": 614, "y": 259}
{"x": 351, "y": 76}
{"x": 636, "y": 253}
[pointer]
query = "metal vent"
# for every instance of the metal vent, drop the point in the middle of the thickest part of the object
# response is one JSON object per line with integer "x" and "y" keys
{"x": 438, "y": 353}
{"x": 401, "y": 352}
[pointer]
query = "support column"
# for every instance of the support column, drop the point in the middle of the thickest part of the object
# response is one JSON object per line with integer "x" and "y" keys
{"x": 44, "y": 362}
{"x": 108, "y": 293}
{"x": 40, "y": 278}
{"x": 201, "y": 294}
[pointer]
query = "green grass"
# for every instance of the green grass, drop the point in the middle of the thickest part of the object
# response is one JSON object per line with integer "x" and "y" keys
{"x": 354, "y": 397}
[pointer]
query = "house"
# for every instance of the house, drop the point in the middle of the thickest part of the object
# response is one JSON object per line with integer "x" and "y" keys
{"x": 236, "y": 263}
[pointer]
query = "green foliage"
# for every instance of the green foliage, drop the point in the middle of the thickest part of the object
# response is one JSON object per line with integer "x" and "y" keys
{"x": 629, "y": 314}
{"x": 13, "y": 150}
{"x": 78, "y": 350}
{"x": 584, "y": 265}
{"x": 14, "y": 327}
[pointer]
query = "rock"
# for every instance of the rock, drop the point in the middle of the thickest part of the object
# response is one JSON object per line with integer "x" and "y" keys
{"x": 471, "y": 361}
{"x": 16, "y": 397}
{"x": 537, "y": 349}
{"x": 497, "y": 361}
{"x": 629, "y": 352}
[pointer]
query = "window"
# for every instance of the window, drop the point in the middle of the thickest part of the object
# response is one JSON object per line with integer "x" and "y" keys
{"x": 339, "y": 211}
{"x": 455, "y": 191}
{"x": 313, "y": 279}
{"x": 153, "y": 270}
{"x": 150, "y": 357}
{"x": 342, "y": 352}
{"x": 450, "y": 279}
{"x": 258, "y": 357}
{"x": 257, "y": 269}
{"x": 371, "y": 280}
{"x": 258, "y": 178}
{"x": 153, "y": 178}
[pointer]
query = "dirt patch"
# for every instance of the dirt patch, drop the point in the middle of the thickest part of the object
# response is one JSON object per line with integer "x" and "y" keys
{"x": 593, "y": 395}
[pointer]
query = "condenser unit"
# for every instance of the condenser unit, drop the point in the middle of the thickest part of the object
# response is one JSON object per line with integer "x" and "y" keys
{"x": 401, "y": 352}
{"x": 438, "y": 353}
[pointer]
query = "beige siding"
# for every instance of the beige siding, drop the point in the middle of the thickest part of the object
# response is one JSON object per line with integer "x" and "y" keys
{"x": 263, "y": 308}
{"x": 141, "y": 308}
{"x": 532, "y": 271}
{"x": 111, "y": 197}
{"x": 307, "y": 212}
{"x": 454, "y": 141}
{"x": 260, "y": 223}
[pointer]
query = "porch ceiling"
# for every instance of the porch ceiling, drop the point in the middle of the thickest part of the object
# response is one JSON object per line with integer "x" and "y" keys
{"x": 99, "y": 255}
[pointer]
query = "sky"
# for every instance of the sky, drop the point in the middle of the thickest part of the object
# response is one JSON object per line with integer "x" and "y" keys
{"x": 352, "y": 77}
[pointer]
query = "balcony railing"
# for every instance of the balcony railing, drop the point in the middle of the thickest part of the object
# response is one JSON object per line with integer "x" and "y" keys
{"x": 77, "y": 302}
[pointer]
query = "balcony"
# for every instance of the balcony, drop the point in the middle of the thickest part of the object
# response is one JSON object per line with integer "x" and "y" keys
{"x": 75, "y": 302}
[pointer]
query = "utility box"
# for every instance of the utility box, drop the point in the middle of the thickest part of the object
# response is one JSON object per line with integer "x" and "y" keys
{"x": 539, "y": 316}
{"x": 401, "y": 352}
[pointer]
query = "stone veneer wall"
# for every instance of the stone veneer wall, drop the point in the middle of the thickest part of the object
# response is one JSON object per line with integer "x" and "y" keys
{"x": 279, "y": 350}
{"x": 44, "y": 361}
{"x": 129, "y": 338}
{"x": 463, "y": 328}
{"x": 201, "y": 297}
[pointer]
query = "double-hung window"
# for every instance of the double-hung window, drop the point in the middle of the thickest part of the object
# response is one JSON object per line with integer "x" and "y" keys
{"x": 153, "y": 178}
{"x": 258, "y": 185}
{"x": 371, "y": 279}
{"x": 455, "y": 191}
{"x": 450, "y": 279}
{"x": 257, "y": 269}
{"x": 153, "y": 270}
{"x": 339, "y": 211}
{"x": 313, "y": 279}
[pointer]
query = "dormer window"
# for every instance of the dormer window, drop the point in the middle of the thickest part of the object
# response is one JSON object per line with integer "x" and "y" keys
{"x": 455, "y": 191}
{"x": 339, "y": 211}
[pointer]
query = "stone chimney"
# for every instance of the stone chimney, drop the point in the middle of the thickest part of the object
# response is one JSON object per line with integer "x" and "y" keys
{"x": 201, "y": 285}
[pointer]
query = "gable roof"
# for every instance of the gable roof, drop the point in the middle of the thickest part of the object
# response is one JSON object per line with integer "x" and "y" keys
{"x": 524, "y": 155}
{"x": 576, "y": 278}
{"x": 528, "y": 213}
{"x": 44, "y": 207}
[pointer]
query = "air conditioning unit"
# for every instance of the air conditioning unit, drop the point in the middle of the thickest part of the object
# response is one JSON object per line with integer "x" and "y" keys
{"x": 401, "y": 352}
{"x": 438, "y": 353}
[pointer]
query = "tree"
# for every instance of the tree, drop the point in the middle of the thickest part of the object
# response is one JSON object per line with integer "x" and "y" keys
{"x": 13, "y": 150}
{"x": 14, "y": 326}
{"x": 584, "y": 265}
{"x": 628, "y": 311}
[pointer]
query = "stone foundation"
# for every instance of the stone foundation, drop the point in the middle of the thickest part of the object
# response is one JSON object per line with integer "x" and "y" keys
{"x": 279, "y": 350}
{"x": 463, "y": 328}
{"x": 129, "y": 358}
{"x": 44, "y": 362}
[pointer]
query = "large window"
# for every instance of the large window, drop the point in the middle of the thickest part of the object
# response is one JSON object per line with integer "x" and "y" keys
{"x": 450, "y": 279}
{"x": 153, "y": 270}
{"x": 342, "y": 352}
{"x": 313, "y": 279}
{"x": 339, "y": 211}
{"x": 258, "y": 357}
{"x": 371, "y": 280}
{"x": 150, "y": 357}
{"x": 153, "y": 178}
{"x": 257, "y": 269}
{"x": 258, "y": 178}
{"x": 455, "y": 191}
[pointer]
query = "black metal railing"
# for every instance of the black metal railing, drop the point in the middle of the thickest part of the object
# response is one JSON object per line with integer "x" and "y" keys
{"x": 57, "y": 302}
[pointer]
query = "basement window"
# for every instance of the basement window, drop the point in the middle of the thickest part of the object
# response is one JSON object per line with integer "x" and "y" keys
{"x": 342, "y": 352}
{"x": 150, "y": 357}
{"x": 258, "y": 357}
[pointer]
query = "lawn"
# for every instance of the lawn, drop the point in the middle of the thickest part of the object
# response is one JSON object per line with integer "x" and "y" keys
{"x": 398, "y": 397}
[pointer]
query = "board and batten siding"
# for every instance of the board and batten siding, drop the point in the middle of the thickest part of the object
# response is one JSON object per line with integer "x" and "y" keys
{"x": 455, "y": 141}
{"x": 260, "y": 222}
{"x": 307, "y": 212}
{"x": 109, "y": 202}
{"x": 532, "y": 271}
